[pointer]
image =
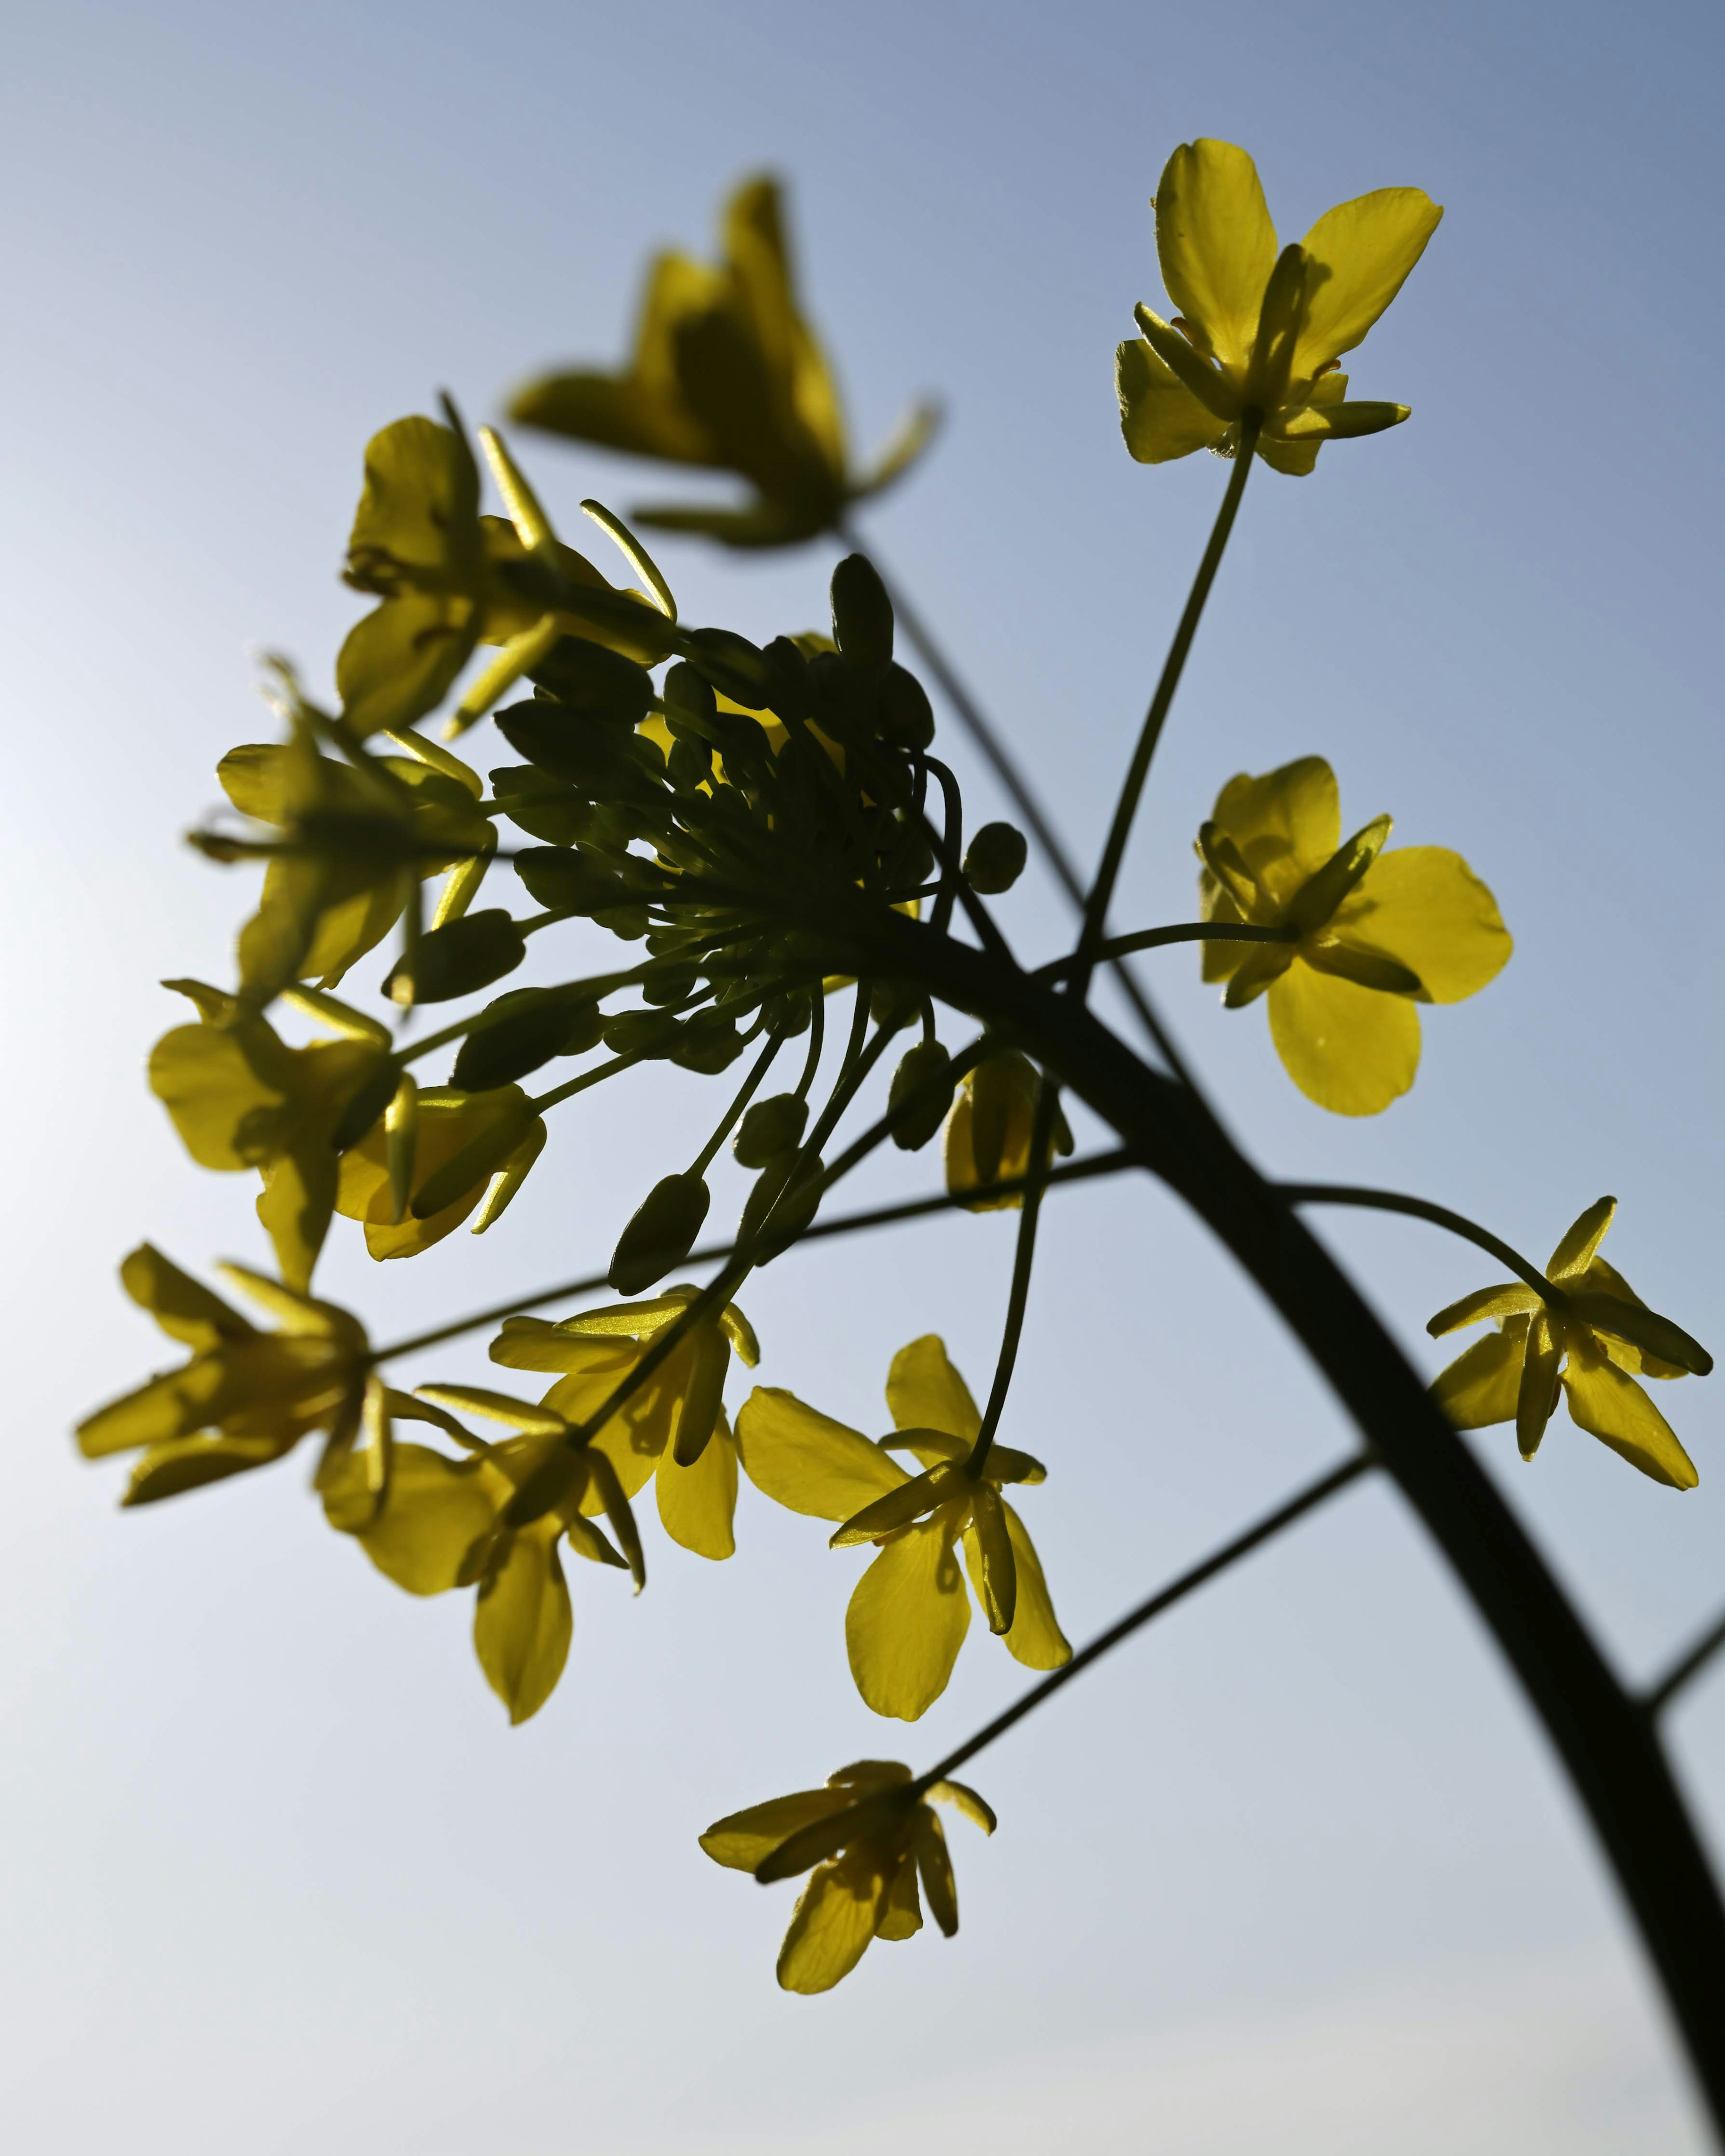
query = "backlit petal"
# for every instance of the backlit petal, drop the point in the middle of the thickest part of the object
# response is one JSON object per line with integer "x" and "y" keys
{"x": 1367, "y": 246}
{"x": 1424, "y": 907}
{"x": 696, "y": 1504}
{"x": 806, "y": 1461}
{"x": 1160, "y": 416}
{"x": 925, "y": 1391}
{"x": 1035, "y": 1638}
{"x": 835, "y": 1920}
{"x": 741, "y": 1840}
{"x": 1507, "y": 1300}
{"x": 1613, "y": 1409}
{"x": 907, "y": 1621}
{"x": 1216, "y": 244}
{"x": 1581, "y": 1240}
{"x": 522, "y": 1623}
{"x": 1286, "y": 823}
{"x": 1481, "y": 1386}
{"x": 1347, "y": 1048}
{"x": 1536, "y": 1395}
{"x": 433, "y": 1511}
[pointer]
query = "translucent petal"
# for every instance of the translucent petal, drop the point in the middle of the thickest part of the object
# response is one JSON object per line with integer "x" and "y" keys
{"x": 808, "y": 1463}
{"x": 925, "y": 1391}
{"x": 907, "y": 1621}
{"x": 1582, "y": 1239}
{"x": 533, "y": 1343}
{"x": 964, "y": 1799}
{"x": 433, "y": 1511}
{"x": 184, "y": 1308}
{"x": 936, "y": 1866}
{"x": 1160, "y": 418}
{"x": 1035, "y": 1639}
{"x": 522, "y": 1623}
{"x": 1536, "y": 1395}
{"x": 742, "y": 1839}
{"x": 1615, "y": 1409}
{"x": 989, "y": 1560}
{"x": 188, "y": 1463}
{"x": 1508, "y": 1299}
{"x": 696, "y": 1504}
{"x": 1362, "y": 249}
{"x": 1481, "y": 1385}
{"x": 1216, "y": 245}
{"x": 902, "y": 1909}
{"x": 1349, "y": 1048}
{"x": 1286, "y": 823}
{"x": 835, "y": 1920}
{"x": 1424, "y": 907}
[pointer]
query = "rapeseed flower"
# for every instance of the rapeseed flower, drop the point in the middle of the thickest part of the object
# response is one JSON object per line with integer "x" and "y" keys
{"x": 467, "y": 1147}
{"x": 246, "y": 1396}
{"x": 673, "y": 1427}
{"x": 1591, "y": 1336}
{"x": 1363, "y": 935}
{"x": 908, "y": 1616}
{"x": 727, "y": 376}
{"x": 1258, "y": 334}
{"x": 989, "y": 1129}
{"x": 869, "y": 1835}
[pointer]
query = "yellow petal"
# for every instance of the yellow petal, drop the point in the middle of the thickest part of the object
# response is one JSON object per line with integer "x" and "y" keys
{"x": 989, "y": 1560}
{"x": 1509, "y": 1299}
{"x": 1160, "y": 416}
{"x": 1285, "y": 824}
{"x": 964, "y": 1799}
{"x": 1581, "y": 1240}
{"x": 1035, "y": 1639}
{"x": 232, "y": 1091}
{"x": 835, "y": 1920}
{"x": 900, "y": 1910}
{"x": 740, "y": 1841}
{"x": 935, "y": 1867}
{"x": 696, "y": 1504}
{"x": 433, "y": 1511}
{"x": 907, "y": 1621}
{"x": 925, "y": 1391}
{"x": 1615, "y": 1408}
{"x": 806, "y": 1461}
{"x": 1362, "y": 251}
{"x": 1481, "y": 1385}
{"x": 1424, "y": 908}
{"x": 1536, "y": 1395}
{"x": 184, "y": 1308}
{"x": 534, "y": 1344}
{"x": 1349, "y": 1048}
{"x": 298, "y": 1199}
{"x": 188, "y": 1463}
{"x": 522, "y": 1623}
{"x": 1216, "y": 245}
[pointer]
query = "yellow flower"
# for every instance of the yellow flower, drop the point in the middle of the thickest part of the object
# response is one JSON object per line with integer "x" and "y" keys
{"x": 673, "y": 1427}
{"x": 989, "y": 1130}
{"x": 909, "y": 1615}
{"x": 246, "y": 1396}
{"x": 240, "y": 1098}
{"x": 1258, "y": 334}
{"x": 869, "y": 1835}
{"x": 1367, "y": 934}
{"x": 727, "y": 376}
{"x": 1592, "y": 1335}
{"x": 467, "y": 1147}
{"x": 439, "y": 1523}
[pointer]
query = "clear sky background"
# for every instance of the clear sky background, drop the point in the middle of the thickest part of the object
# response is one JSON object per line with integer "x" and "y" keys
{"x": 1294, "y": 1871}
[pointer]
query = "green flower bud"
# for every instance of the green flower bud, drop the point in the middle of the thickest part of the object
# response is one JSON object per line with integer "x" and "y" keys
{"x": 906, "y": 718}
{"x": 459, "y": 957}
{"x": 994, "y": 859}
{"x": 589, "y": 679}
{"x": 862, "y": 616}
{"x": 923, "y": 1077}
{"x": 771, "y": 1127}
{"x": 660, "y": 1234}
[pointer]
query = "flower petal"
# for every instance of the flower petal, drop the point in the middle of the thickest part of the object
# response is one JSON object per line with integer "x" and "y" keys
{"x": 1613, "y": 1409}
{"x": 902, "y": 1911}
{"x": 1035, "y": 1639}
{"x": 1536, "y": 1395}
{"x": 1216, "y": 245}
{"x": 1349, "y": 1048}
{"x": 1363, "y": 250}
{"x": 935, "y": 1867}
{"x": 925, "y": 1391}
{"x": 1581, "y": 1240}
{"x": 989, "y": 1559}
{"x": 433, "y": 1511}
{"x": 835, "y": 1920}
{"x": 522, "y": 1623}
{"x": 807, "y": 1462}
{"x": 1160, "y": 416}
{"x": 696, "y": 1504}
{"x": 1287, "y": 822}
{"x": 742, "y": 1839}
{"x": 907, "y": 1621}
{"x": 1424, "y": 907}
{"x": 1481, "y": 1385}
{"x": 1509, "y": 1299}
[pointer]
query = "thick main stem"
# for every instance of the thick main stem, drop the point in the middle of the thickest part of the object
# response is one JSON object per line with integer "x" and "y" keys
{"x": 1612, "y": 1753}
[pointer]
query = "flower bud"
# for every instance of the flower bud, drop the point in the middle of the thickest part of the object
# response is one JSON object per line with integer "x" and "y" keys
{"x": 771, "y": 1127}
{"x": 994, "y": 859}
{"x": 660, "y": 1234}
{"x": 862, "y": 616}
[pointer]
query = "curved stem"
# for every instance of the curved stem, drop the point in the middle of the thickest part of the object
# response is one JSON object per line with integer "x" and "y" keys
{"x": 1042, "y": 1126}
{"x": 745, "y": 1093}
{"x": 1095, "y": 909}
{"x": 1297, "y": 1507}
{"x": 1607, "y": 1743}
{"x": 1179, "y": 931}
{"x": 1421, "y": 1208}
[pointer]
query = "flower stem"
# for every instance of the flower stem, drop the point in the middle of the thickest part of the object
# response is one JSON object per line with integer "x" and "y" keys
{"x": 1096, "y": 909}
{"x": 1179, "y": 931}
{"x": 1420, "y": 1208}
{"x": 1042, "y": 1124}
{"x": 746, "y": 1092}
{"x": 1314, "y": 1493}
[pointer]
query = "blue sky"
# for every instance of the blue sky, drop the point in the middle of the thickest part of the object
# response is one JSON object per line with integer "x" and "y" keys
{"x": 1290, "y": 1866}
